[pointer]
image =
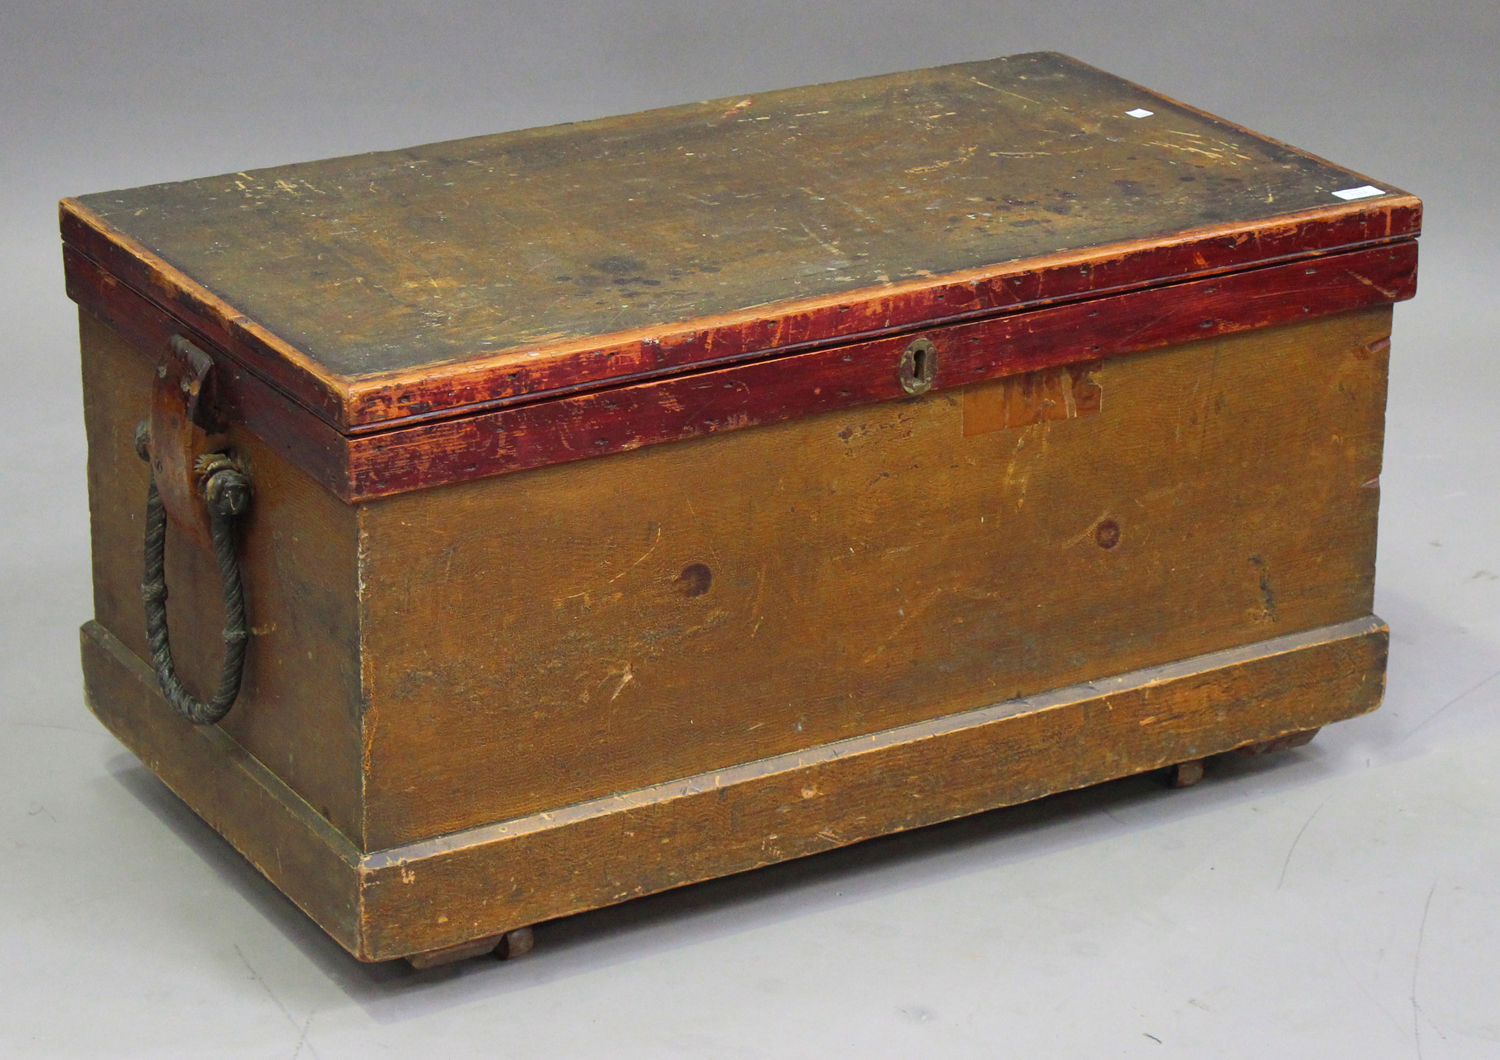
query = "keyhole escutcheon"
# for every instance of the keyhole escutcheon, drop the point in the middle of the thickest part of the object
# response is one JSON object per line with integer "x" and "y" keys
{"x": 918, "y": 366}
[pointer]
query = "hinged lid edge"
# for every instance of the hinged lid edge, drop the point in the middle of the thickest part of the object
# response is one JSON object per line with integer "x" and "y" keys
{"x": 675, "y": 407}
{"x": 382, "y": 402}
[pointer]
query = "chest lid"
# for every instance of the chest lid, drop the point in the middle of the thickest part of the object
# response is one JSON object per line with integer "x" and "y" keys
{"x": 383, "y": 291}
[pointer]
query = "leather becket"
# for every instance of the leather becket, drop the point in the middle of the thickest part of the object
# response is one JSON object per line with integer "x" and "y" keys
{"x": 182, "y": 428}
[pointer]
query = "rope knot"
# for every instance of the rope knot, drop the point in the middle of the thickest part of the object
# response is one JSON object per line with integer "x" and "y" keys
{"x": 225, "y": 487}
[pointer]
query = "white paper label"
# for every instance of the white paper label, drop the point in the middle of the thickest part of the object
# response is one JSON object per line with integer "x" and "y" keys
{"x": 1140, "y": 112}
{"x": 1367, "y": 192}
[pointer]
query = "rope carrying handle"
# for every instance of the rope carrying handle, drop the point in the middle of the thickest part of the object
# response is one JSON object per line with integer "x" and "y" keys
{"x": 226, "y": 489}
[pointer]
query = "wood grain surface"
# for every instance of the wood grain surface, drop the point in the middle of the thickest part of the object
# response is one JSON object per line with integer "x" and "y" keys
{"x": 843, "y": 572}
{"x": 382, "y": 287}
{"x": 649, "y": 499}
{"x": 619, "y": 622}
{"x": 590, "y": 424}
{"x": 299, "y": 707}
{"x": 602, "y": 422}
{"x": 448, "y": 890}
{"x": 706, "y": 826}
{"x": 285, "y": 837}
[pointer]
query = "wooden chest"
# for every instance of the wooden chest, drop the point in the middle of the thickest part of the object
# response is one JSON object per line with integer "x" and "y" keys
{"x": 624, "y": 504}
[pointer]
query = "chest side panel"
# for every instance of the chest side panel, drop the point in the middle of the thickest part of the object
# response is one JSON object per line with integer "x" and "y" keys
{"x": 560, "y": 634}
{"x": 298, "y": 710}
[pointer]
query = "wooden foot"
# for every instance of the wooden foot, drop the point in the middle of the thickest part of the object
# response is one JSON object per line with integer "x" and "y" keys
{"x": 1185, "y": 774}
{"x": 1281, "y": 743}
{"x": 515, "y": 944}
{"x": 507, "y": 946}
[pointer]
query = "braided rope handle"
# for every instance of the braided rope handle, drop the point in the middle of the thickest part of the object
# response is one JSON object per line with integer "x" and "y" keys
{"x": 226, "y": 489}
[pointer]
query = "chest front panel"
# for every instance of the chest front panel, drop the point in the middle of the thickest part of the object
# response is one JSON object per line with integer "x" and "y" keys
{"x": 556, "y": 635}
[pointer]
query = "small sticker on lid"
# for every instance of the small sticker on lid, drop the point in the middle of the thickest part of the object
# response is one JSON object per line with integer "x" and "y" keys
{"x": 1140, "y": 112}
{"x": 1368, "y": 191}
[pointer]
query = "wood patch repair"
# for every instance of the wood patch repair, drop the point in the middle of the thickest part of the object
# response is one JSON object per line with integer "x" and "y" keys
{"x": 1063, "y": 392}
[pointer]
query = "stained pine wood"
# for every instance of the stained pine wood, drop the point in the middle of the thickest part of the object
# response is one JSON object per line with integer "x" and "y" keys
{"x": 843, "y": 572}
{"x": 528, "y": 870}
{"x": 241, "y": 396}
{"x": 299, "y": 710}
{"x": 599, "y": 423}
{"x": 601, "y": 541}
{"x": 283, "y": 835}
{"x": 381, "y": 287}
{"x": 449, "y": 890}
{"x": 590, "y": 424}
{"x": 855, "y": 570}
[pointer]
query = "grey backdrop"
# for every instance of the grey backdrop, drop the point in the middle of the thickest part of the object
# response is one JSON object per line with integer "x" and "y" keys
{"x": 1341, "y": 901}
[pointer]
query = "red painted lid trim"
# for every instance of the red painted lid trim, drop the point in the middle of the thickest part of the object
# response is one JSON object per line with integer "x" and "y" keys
{"x": 688, "y": 400}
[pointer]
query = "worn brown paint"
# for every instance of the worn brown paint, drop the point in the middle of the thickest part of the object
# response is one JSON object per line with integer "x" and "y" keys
{"x": 488, "y": 880}
{"x": 870, "y": 567}
{"x": 600, "y": 423}
{"x": 388, "y": 300}
{"x": 300, "y": 704}
{"x": 809, "y": 803}
{"x": 282, "y": 834}
{"x": 782, "y": 512}
{"x": 817, "y": 552}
